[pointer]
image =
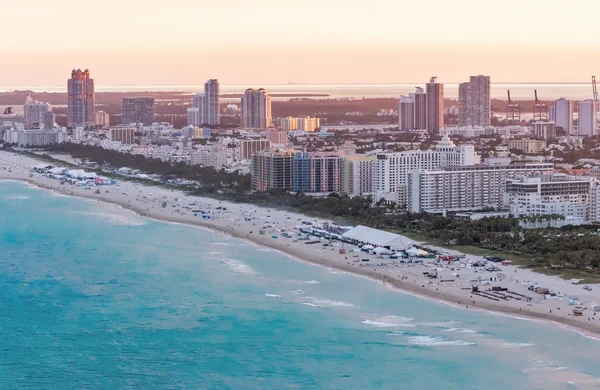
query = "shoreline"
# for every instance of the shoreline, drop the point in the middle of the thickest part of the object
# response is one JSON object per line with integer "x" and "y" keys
{"x": 410, "y": 285}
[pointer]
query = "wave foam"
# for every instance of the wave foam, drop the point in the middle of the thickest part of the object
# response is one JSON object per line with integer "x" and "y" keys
{"x": 460, "y": 330}
{"x": 273, "y": 295}
{"x": 297, "y": 292}
{"x": 19, "y": 197}
{"x": 442, "y": 324}
{"x": 311, "y": 304}
{"x": 431, "y": 341}
{"x": 517, "y": 345}
{"x": 239, "y": 267}
{"x": 328, "y": 302}
{"x": 389, "y": 321}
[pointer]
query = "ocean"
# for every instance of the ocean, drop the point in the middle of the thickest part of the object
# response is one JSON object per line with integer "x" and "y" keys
{"x": 519, "y": 91}
{"x": 95, "y": 297}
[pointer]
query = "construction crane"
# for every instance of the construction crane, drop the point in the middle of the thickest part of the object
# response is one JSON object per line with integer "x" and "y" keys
{"x": 595, "y": 91}
{"x": 513, "y": 111}
{"x": 540, "y": 111}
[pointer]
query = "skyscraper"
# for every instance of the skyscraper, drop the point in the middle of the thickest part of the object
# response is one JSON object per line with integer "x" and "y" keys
{"x": 406, "y": 114}
{"x": 420, "y": 105}
{"x": 34, "y": 114}
{"x": 256, "y": 109}
{"x": 587, "y": 118}
{"x": 198, "y": 111}
{"x": 138, "y": 110}
{"x": 81, "y": 99}
{"x": 563, "y": 115}
{"x": 474, "y": 102}
{"x": 211, "y": 103}
{"x": 435, "y": 106}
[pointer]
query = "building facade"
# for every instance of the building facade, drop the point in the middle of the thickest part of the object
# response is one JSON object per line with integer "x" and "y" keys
{"x": 550, "y": 194}
{"x": 317, "y": 172}
{"x": 356, "y": 173}
{"x": 435, "y": 106}
{"x": 212, "y": 103}
{"x": 406, "y": 114}
{"x": 544, "y": 130}
{"x": 272, "y": 169}
{"x": 419, "y": 99}
{"x": 563, "y": 112}
{"x": 588, "y": 120}
{"x": 34, "y": 114}
{"x": 34, "y": 138}
{"x": 390, "y": 170}
{"x": 138, "y": 110}
{"x": 256, "y": 109}
{"x": 249, "y": 147}
{"x": 474, "y": 102}
{"x": 81, "y": 99}
{"x": 530, "y": 146}
{"x": 102, "y": 120}
{"x": 465, "y": 188}
{"x": 124, "y": 134}
{"x": 277, "y": 137}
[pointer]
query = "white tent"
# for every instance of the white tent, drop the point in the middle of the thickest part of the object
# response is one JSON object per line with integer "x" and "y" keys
{"x": 364, "y": 234}
{"x": 381, "y": 251}
{"x": 57, "y": 170}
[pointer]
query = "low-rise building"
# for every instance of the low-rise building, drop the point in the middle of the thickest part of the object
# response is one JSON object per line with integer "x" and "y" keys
{"x": 529, "y": 146}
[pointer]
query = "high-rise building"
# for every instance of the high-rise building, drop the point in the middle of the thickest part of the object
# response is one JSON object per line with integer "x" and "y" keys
{"x": 272, "y": 169}
{"x": 420, "y": 104}
{"x": 192, "y": 117}
{"x": 406, "y": 114}
{"x": 317, "y": 172}
{"x": 81, "y": 99}
{"x": 356, "y": 174}
{"x": 390, "y": 170}
{"x": 197, "y": 114}
{"x": 435, "y": 105}
{"x": 464, "y": 188}
{"x": 49, "y": 119}
{"x": 563, "y": 112}
{"x": 102, "y": 120}
{"x": 588, "y": 119}
{"x": 474, "y": 102}
{"x": 544, "y": 130}
{"x": 304, "y": 123}
{"x": 138, "y": 110}
{"x": 256, "y": 109}
{"x": 212, "y": 114}
{"x": 34, "y": 113}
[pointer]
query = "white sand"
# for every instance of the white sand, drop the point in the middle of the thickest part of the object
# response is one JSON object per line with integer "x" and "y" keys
{"x": 245, "y": 221}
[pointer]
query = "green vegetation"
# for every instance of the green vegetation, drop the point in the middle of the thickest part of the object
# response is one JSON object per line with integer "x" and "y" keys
{"x": 567, "y": 251}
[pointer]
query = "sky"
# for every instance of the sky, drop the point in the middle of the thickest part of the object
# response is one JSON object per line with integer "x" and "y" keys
{"x": 254, "y": 42}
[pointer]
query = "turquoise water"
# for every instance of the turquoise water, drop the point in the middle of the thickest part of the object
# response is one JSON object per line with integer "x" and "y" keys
{"x": 95, "y": 297}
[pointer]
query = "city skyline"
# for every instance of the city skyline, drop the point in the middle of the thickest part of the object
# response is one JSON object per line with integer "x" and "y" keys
{"x": 353, "y": 43}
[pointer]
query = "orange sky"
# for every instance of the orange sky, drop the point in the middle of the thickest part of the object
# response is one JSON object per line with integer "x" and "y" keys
{"x": 179, "y": 42}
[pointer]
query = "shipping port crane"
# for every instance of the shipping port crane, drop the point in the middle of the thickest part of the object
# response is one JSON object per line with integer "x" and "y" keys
{"x": 513, "y": 111}
{"x": 540, "y": 111}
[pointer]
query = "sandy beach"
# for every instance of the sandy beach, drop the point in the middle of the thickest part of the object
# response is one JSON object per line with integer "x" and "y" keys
{"x": 245, "y": 221}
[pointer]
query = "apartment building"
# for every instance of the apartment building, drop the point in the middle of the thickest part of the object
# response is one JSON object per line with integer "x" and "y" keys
{"x": 529, "y": 146}
{"x": 248, "y": 147}
{"x": 390, "y": 170}
{"x": 465, "y": 188}
{"x": 317, "y": 172}
{"x": 272, "y": 169}
{"x": 548, "y": 194}
{"x": 356, "y": 173}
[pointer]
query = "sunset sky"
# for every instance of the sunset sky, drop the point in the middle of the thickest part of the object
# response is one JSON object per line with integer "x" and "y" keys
{"x": 183, "y": 42}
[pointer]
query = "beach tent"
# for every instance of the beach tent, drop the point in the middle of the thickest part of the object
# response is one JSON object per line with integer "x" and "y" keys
{"x": 367, "y": 247}
{"x": 416, "y": 252}
{"x": 381, "y": 251}
{"x": 57, "y": 170}
{"x": 367, "y": 235}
